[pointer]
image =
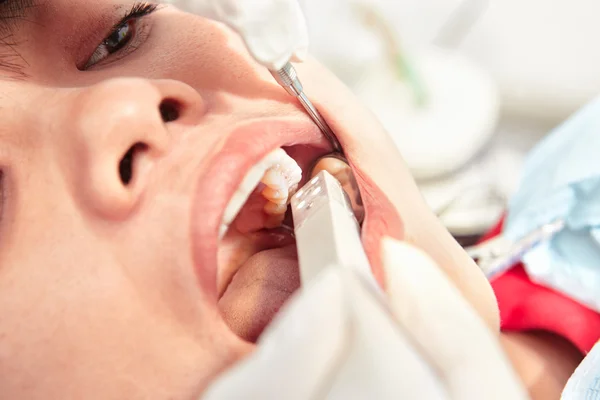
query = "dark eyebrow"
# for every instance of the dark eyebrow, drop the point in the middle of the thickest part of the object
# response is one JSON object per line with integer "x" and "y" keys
{"x": 14, "y": 11}
{"x": 12, "y": 14}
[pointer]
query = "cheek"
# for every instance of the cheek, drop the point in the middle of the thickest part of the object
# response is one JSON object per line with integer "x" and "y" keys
{"x": 70, "y": 319}
{"x": 78, "y": 324}
{"x": 58, "y": 306}
{"x": 208, "y": 56}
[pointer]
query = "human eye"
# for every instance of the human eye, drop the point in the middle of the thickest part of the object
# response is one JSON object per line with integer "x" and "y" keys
{"x": 123, "y": 35}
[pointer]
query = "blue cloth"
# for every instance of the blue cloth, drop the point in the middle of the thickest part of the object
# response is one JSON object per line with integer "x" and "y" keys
{"x": 561, "y": 180}
{"x": 584, "y": 384}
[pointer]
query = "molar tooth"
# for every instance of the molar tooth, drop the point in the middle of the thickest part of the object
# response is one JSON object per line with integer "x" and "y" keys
{"x": 337, "y": 168}
{"x": 280, "y": 174}
{"x": 281, "y": 181}
{"x": 275, "y": 179}
{"x": 275, "y": 195}
{"x": 275, "y": 209}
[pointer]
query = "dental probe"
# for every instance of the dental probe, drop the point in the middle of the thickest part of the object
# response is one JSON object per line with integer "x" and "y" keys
{"x": 327, "y": 233}
{"x": 287, "y": 77}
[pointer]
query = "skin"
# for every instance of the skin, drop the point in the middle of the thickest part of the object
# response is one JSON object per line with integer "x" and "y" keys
{"x": 99, "y": 294}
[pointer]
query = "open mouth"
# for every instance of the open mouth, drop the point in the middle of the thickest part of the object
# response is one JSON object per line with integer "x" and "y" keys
{"x": 258, "y": 262}
{"x": 248, "y": 247}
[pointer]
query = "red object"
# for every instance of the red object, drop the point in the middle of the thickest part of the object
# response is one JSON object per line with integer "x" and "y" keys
{"x": 525, "y": 305}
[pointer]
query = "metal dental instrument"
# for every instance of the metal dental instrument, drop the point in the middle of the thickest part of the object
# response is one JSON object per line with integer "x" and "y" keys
{"x": 327, "y": 233}
{"x": 287, "y": 77}
{"x": 498, "y": 254}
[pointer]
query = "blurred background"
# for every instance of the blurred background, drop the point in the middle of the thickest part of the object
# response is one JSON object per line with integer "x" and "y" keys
{"x": 465, "y": 87}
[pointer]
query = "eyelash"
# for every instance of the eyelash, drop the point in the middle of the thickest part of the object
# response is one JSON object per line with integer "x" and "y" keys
{"x": 130, "y": 20}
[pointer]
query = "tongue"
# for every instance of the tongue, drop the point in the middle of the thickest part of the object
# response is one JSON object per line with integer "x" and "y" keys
{"x": 259, "y": 289}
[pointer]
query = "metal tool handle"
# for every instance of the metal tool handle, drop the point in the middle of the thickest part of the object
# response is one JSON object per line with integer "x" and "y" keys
{"x": 287, "y": 77}
{"x": 498, "y": 254}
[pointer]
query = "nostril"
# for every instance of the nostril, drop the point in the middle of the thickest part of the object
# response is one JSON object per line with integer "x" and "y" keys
{"x": 169, "y": 110}
{"x": 126, "y": 164}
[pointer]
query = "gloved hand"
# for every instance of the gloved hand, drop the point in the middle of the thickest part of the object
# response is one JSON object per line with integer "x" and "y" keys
{"x": 337, "y": 340}
{"x": 274, "y": 31}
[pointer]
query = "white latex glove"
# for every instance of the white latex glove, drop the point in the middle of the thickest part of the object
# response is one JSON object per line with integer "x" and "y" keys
{"x": 274, "y": 31}
{"x": 336, "y": 340}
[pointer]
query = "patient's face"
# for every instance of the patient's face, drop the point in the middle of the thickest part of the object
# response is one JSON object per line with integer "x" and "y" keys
{"x": 120, "y": 149}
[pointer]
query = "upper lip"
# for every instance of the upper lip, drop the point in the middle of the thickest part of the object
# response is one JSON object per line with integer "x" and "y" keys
{"x": 243, "y": 148}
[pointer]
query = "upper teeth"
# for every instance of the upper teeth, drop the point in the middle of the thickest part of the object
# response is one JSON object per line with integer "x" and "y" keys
{"x": 280, "y": 174}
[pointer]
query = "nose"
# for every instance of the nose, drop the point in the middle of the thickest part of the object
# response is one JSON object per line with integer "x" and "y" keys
{"x": 118, "y": 130}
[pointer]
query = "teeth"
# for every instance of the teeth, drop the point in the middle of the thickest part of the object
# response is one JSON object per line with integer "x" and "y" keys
{"x": 280, "y": 174}
{"x": 275, "y": 209}
{"x": 276, "y": 196}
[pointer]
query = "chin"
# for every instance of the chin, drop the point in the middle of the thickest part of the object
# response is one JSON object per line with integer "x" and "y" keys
{"x": 244, "y": 262}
